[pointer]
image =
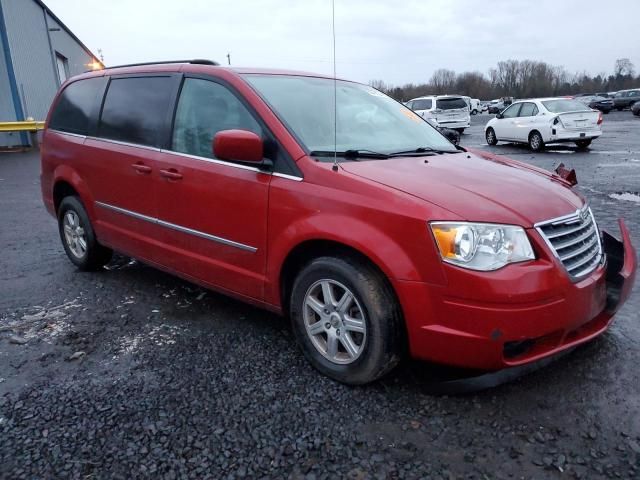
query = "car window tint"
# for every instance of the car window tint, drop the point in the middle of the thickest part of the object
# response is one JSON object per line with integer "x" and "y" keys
{"x": 512, "y": 111}
{"x": 204, "y": 109}
{"x": 424, "y": 104}
{"x": 451, "y": 103}
{"x": 528, "y": 110}
{"x": 73, "y": 109}
{"x": 134, "y": 110}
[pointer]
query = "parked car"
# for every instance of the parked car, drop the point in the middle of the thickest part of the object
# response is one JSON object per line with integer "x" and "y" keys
{"x": 450, "y": 111}
{"x": 373, "y": 234}
{"x": 635, "y": 108}
{"x": 605, "y": 105}
{"x": 626, "y": 98}
{"x": 496, "y": 107}
{"x": 473, "y": 104}
{"x": 546, "y": 120}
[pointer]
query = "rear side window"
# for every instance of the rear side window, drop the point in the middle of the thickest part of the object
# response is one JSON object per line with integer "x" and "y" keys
{"x": 424, "y": 104}
{"x": 204, "y": 109}
{"x": 135, "y": 109}
{"x": 73, "y": 109}
{"x": 451, "y": 103}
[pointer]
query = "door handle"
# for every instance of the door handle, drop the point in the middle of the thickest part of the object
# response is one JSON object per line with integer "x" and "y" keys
{"x": 171, "y": 174}
{"x": 141, "y": 168}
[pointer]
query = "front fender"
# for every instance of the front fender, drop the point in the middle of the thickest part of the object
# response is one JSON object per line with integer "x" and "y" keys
{"x": 392, "y": 258}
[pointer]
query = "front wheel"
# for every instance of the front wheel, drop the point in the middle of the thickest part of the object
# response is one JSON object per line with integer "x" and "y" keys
{"x": 490, "y": 135}
{"x": 583, "y": 144}
{"x": 346, "y": 319}
{"x": 78, "y": 238}
{"x": 536, "y": 143}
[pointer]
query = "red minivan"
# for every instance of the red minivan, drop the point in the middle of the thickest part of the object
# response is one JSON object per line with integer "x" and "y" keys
{"x": 331, "y": 203}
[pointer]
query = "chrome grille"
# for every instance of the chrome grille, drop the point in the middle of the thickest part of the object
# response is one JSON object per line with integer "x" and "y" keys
{"x": 575, "y": 240}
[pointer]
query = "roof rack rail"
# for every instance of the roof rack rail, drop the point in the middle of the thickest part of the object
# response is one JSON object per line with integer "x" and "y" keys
{"x": 197, "y": 61}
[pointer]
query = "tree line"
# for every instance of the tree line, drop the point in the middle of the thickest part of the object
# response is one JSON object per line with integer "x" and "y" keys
{"x": 516, "y": 78}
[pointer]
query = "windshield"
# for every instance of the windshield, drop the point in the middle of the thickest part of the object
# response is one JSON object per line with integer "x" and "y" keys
{"x": 563, "y": 105}
{"x": 366, "y": 118}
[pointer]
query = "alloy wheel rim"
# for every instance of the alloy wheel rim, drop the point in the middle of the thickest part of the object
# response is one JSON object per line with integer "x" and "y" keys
{"x": 535, "y": 142}
{"x": 490, "y": 136}
{"x": 74, "y": 234}
{"x": 334, "y": 321}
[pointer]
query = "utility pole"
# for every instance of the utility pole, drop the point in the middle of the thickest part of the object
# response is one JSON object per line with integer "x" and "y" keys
{"x": 229, "y": 58}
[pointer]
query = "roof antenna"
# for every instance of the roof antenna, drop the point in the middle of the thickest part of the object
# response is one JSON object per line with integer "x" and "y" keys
{"x": 335, "y": 89}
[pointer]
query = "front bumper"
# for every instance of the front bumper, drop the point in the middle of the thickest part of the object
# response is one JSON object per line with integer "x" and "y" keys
{"x": 522, "y": 314}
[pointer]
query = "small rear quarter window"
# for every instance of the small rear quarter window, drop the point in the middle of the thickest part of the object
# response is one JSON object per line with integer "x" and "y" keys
{"x": 76, "y": 105}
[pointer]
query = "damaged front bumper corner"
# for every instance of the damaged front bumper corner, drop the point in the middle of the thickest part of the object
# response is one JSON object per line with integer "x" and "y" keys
{"x": 621, "y": 267}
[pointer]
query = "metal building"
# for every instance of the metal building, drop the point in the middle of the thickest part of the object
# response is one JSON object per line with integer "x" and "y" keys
{"x": 37, "y": 54}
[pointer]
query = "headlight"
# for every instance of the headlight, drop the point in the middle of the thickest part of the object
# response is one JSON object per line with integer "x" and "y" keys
{"x": 481, "y": 246}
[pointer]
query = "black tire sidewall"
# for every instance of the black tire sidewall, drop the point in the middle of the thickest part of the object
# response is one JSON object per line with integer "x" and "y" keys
{"x": 90, "y": 259}
{"x": 486, "y": 136}
{"x": 378, "y": 311}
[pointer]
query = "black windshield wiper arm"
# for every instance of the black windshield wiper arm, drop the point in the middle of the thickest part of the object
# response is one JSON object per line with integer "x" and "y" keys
{"x": 427, "y": 150}
{"x": 350, "y": 154}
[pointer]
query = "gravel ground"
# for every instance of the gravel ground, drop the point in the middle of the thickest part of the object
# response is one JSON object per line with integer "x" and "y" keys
{"x": 132, "y": 373}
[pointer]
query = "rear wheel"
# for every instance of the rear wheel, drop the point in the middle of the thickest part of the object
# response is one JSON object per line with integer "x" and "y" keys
{"x": 536, "y": 143}
{"x": 582, "y": 144}
{"x": 78, "y": 238}
{"x": 490, "y": 135}
{"x": 346, "y": 319}
{"x": 474, "y": 112}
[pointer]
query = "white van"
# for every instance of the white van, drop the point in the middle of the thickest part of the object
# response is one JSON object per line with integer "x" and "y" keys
{"x": 450, "y": 111}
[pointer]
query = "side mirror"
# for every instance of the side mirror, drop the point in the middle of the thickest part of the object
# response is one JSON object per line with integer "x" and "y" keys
{"x": 499, "y": 115}
{"x": 238, "y": 145}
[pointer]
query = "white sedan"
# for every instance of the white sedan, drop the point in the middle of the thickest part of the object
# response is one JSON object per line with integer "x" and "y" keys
{"x": 545, "y": 120}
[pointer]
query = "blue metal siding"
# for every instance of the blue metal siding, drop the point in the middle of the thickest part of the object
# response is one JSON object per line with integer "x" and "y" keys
{"x": 34, "y": 65}
{"x": 10, "y": 104}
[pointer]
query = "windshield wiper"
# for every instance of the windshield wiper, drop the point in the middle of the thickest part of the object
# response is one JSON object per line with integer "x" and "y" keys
{"x": 350, "y": 154}
{"x": 421, "y": 150}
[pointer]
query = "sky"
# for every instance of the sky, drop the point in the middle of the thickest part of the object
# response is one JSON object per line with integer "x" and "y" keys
{"x": 398, "y": 42}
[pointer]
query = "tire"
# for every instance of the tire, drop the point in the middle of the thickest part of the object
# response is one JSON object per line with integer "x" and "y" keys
{"x": 374, "y": 307}
{"x": 490, "y": 135}
{"x": 459, "y": 130}
{"x": 75, "y": 231}
{"x": 583, "y": 144}
{"x": 474, "y": 112}
{"x": 536, "y": 143}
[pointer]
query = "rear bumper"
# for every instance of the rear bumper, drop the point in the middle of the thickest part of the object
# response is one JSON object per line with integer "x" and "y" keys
{"x": 562, "y": 135}
{"x": 454, "y": 124}
{"x": 522, "y": 314}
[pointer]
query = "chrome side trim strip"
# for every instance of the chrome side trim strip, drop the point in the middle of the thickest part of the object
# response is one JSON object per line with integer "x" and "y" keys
{"x": 288, "y": 177}
{"x": 216, "y": 161}
{"x": 77, "y": 135}
{"x": 231, "y": 164}
{"x": 178, "y": 228}
{"x": 139, "y": 216}
{"x": 126, "y": 144}
{"x": 207, "y": 236}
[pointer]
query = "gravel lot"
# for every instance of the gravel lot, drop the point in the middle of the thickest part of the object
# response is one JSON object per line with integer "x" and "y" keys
{"x": 132, "y": 373}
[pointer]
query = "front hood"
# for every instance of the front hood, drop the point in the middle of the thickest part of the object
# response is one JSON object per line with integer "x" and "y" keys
{"x": 476, "y": 188}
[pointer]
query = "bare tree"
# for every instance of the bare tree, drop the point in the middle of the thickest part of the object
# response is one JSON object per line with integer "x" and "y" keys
{"x": 623, "y": 67}
{"x": 443, "y": 80}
